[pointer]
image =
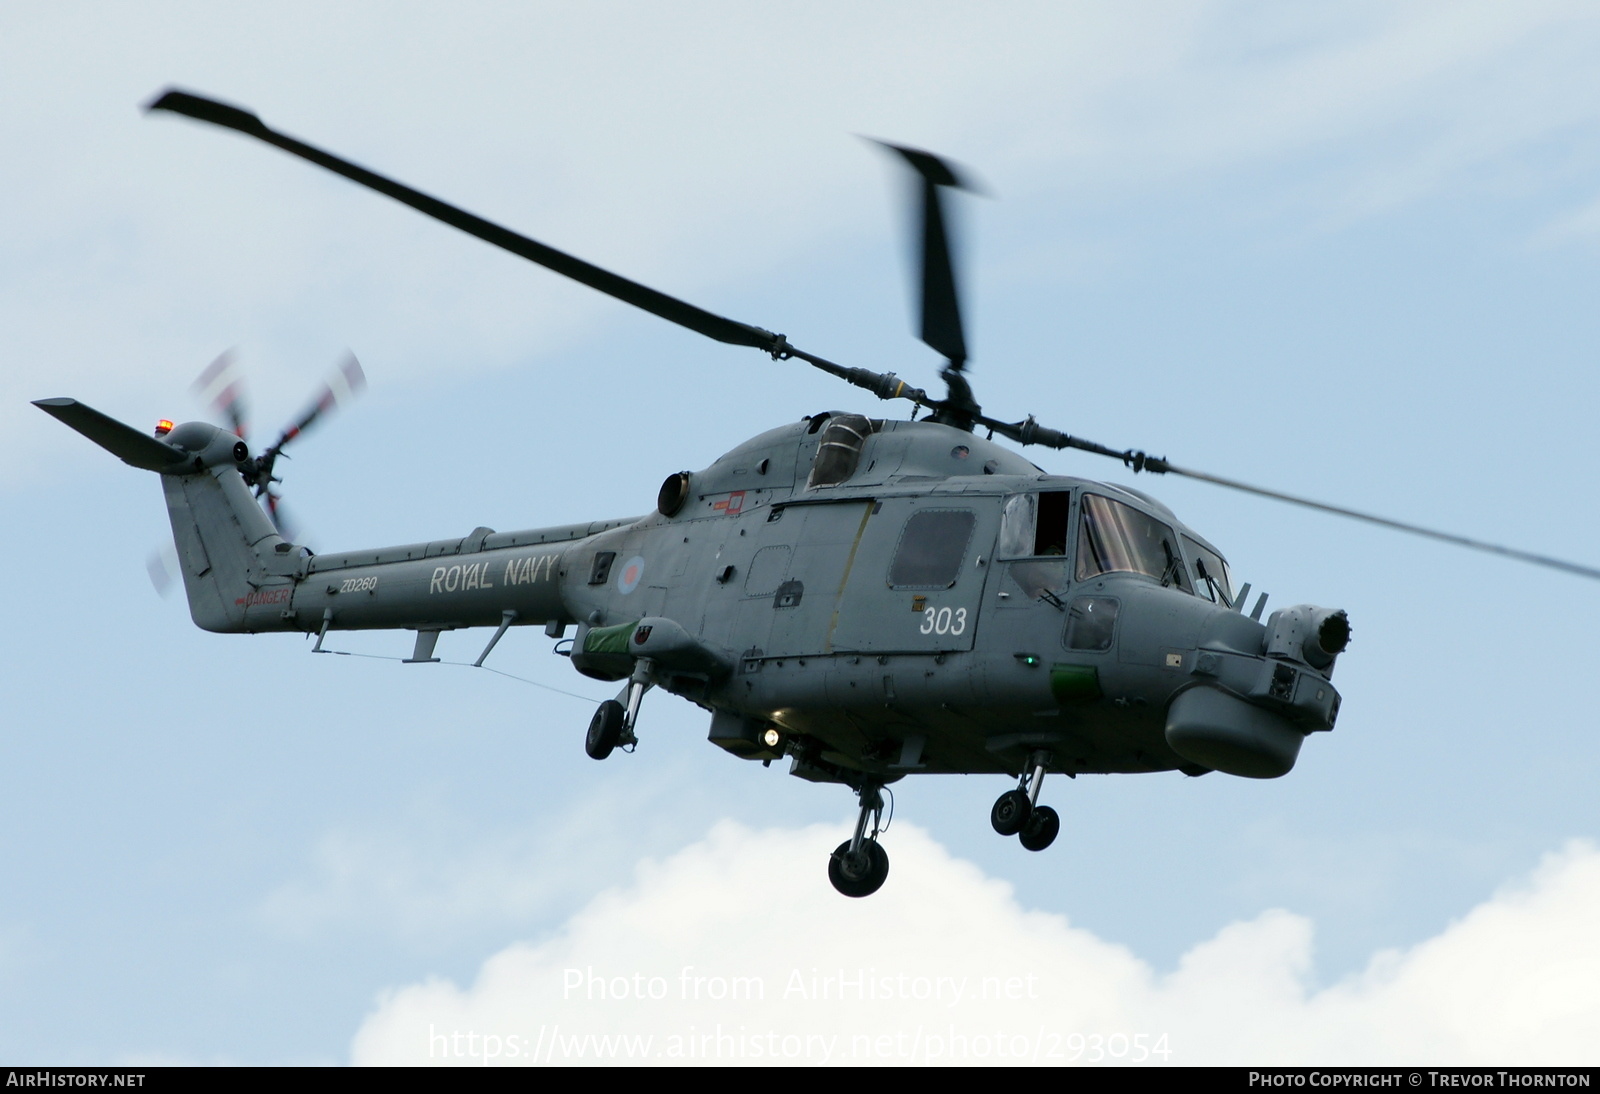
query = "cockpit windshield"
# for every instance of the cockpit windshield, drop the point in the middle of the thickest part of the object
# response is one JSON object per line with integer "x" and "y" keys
{"x": 1212, "y": 578}
{"x": 1116, "y": 537}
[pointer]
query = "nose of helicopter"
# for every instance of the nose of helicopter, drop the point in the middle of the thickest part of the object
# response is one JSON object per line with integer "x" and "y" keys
{"x": 1249, "y": 714}
{"x": 1221, "y": 731}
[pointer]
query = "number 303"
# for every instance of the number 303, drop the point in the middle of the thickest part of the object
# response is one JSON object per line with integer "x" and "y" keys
{"x": 944, "y": 621}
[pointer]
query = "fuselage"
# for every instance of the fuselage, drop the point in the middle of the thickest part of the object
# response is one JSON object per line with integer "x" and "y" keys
{"x": 898, "y": 596}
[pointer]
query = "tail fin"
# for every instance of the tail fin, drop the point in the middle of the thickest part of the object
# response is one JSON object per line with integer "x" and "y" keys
{"x": 235, "y": 565}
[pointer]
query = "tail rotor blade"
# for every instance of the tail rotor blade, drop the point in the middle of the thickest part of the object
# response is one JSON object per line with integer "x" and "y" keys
{"x": 162, "y": 566}
{"x": 349, "y": 378}
{"x": 346, "y": 382}
{"x": 221, "y": 386}
{"x": 278, "y": 513}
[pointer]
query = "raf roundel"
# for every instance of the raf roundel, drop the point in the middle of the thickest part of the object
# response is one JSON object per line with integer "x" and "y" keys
{"x": 632, "y": 571}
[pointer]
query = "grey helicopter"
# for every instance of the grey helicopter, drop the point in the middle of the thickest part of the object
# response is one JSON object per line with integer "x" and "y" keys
{"x": 868, "y": 598}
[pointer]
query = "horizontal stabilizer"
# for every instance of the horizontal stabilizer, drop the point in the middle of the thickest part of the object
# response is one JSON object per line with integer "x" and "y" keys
{"x": 122, "y": 441}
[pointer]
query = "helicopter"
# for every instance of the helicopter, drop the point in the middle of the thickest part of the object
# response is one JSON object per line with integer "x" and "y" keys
{"x": 867, "y": 598}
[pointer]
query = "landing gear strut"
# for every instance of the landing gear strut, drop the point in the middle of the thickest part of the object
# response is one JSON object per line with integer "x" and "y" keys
{"x": 1018, "y": 812}
{"x": 859, "y": 865}
{"x": 613, "y": 721}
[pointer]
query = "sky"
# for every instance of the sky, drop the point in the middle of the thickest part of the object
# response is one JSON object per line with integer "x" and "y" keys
{"x": 1347, "y": 252}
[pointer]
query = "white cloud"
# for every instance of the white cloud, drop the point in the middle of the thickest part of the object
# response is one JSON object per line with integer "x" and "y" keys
{"x": 736, "y": 950}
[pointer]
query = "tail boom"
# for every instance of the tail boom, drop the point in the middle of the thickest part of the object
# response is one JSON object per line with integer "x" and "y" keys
{"x": 242, "y": 576}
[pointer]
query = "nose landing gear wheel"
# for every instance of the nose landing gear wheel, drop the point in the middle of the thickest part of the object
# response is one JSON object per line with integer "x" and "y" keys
{"x": 1010, "y": 812}
{"x": 862, "y": 873}
{"x": 605, "y": 730}
{"x": 1040, "y": 831}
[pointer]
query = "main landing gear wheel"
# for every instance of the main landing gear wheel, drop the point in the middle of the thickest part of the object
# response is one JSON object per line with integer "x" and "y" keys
{"x": 862, "y": 873}
{"x": 1040, "y": 832}
{"x": 605, "y": 729}
{"x": 1010, "y": 813}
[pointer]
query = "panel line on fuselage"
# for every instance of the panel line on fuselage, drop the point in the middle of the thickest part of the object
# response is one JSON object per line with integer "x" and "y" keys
{"x": 844, "y": 578}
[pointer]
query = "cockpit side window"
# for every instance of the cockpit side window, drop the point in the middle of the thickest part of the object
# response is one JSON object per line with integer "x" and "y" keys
{"x": 1050, "y": 534}
{"x": 1017, "y": 522}
{"x": 1034, "y": 525}
{"x": 1113, "y": 537}
{"x": 1212, "y": 578}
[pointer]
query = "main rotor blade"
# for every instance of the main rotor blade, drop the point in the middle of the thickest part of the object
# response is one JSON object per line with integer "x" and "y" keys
{"x": 940, "y": 303}
{"x": 883, "y": 385}
{"x": 640, "y": 296}
{"x": 1162, "y": 466}
{"x": 1031, "y": 432}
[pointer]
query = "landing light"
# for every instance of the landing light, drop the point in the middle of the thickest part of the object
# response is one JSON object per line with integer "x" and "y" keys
{"x": 771, "y": 737}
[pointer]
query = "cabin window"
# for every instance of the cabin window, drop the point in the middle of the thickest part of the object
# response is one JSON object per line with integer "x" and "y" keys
{"x": 932, "y": 549}
{"x": 1113, "y": 537}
